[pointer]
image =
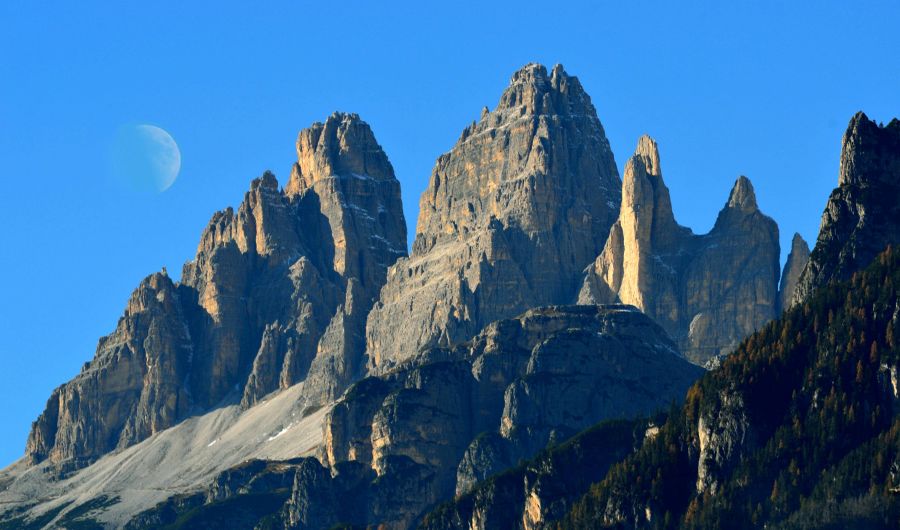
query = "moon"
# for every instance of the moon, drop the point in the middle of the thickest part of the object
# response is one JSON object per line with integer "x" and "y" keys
{"x": 146, "y": 157}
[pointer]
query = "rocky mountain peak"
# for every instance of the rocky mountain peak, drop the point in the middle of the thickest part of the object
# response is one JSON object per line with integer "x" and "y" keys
{"x": 526, "y": 88}
{"x": 525, "y": 197}
{"x": 645, "y": 197}
{"x": 793, "y": 268}
{"x": 648, "y": 152}
{"x": 543, "y": 139}
{"x": 655, "y": 264}
{"x": 342, "y": 146}
{"x": 278, "y": 293}
{"x": 341, "y": 166}
{"x": 798, "y": 244}
{"x": 862, "y": 215}
{"x": 869, "y": 151}
{"x": 742, "y": 196}
{"x": 266, "y": 181}
{"x": 532, "y": 91}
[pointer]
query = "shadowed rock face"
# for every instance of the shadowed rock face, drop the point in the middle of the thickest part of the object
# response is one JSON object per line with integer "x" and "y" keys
{"x": 512, "y": 214}
{"x": 862, "y": 215}
{"x": 793, "y": 268}
{"x": 707, "y": 291}
{"x": 399, "y": 443}
{"x": 451, "y": 417}
{"x": 277, "y": 293}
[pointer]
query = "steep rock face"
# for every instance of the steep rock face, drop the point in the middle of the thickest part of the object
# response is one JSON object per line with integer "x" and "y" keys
{"x": 774, "y": 437}
{"x": 132, "y": 388}
{"x": 793, "y": 268}
{"x": 343, "y": 170}
{"x": 862, "y": 215}
{"x": 707, "y": 291}
{"x": 266, "y": 483}
{"x": 512, "y": 214}
{"x": 278, "y": 293}
{"x": 432, "y": 419}
{"x": 542, "y": 490}
{"x": 724, "y": 436}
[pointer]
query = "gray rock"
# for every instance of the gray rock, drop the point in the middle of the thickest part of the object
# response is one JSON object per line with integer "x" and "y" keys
{"x": 451, "y": 417}
{"x": 132, "y": 388}
{"x": 862, "y": 216}
{"x": 512, "y": 214}
{"x": 724, "y": 435}
{"x": 793, "y": 268}
{"x": 278, "y": 293}
{"x": 707, "y": 291}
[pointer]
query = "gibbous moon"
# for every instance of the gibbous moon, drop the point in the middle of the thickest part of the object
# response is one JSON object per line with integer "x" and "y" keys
{"x": 146, "y": 157}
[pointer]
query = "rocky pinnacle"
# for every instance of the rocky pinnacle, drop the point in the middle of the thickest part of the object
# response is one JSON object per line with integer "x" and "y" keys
{"x": 512, "y": 214}
{"x": 707, "y": 291}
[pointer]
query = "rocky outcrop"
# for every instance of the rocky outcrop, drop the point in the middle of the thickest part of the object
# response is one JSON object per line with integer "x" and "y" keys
{"x": 793, "y": 268}
{"x": 132, "y": 388}
{"x": 707, "y": 291}
{"x": 535, "y": 494}
{"x": 862, "y": 215}
{"x": 278, "y": 293}
{"x": 441, "y": 419}
{"x": 242, "y": 495}
{"x": 512, "y": 214}
{"x": 724, "y": 436}
{"x": 774, "y": 435}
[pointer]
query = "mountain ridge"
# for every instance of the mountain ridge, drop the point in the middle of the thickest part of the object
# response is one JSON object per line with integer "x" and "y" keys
{"x": 406, "y": 381}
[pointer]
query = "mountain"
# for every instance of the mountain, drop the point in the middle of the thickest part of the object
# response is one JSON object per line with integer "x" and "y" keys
{"x": 511, "y": 216}
{"x": 797, "y": 429}
{"x": 793, "y": 268}
{"x": 531, "y": 494}
{"x": 398, "y": 443}
{"x": 863, "y": 213}
{"x": 707, "y": 291}
{"x": 278, "y": 292}
{"x": 305, "y": 373}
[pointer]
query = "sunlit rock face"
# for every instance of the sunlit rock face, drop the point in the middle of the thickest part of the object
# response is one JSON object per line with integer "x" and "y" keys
{"x": 707, "y": 291}
{"x": 862, "y": 216}
{"x": 511, "y": 216}
{"x": 278, "y": 293}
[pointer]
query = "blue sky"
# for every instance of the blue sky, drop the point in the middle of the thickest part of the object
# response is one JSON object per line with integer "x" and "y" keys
{"x": 762, "y": 88}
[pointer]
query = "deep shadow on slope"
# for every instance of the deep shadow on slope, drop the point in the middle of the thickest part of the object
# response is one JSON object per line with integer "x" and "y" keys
{"x": 798, "y": 427}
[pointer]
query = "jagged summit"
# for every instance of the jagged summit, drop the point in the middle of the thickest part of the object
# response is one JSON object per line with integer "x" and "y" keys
{"x": 869, "y": 152}
{"x": 862, "y": 215}
{"x": 342, "y": 146}
{"x": 277, "y": 293}
{"x": 648, "y": 151}
{"x": 533, "y": 91}
{"x": 544, "y": 130}
{"x": 742, "y": 195}
{"x": 266, "y": 180}
{"x": 511, "y": 216}
{"x": 793, "y": 268}
{"x": 645, "y": 197}
{"x": 707, "y": 291}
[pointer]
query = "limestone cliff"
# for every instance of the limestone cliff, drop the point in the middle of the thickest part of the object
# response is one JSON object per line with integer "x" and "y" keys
{"x": 278, "y": 293}
{"x": 398, "y": 443}
{"x": 862, "y": 215}
{"x": 132, "y": 388}
{"x": 793, "y": 268}
{"x": 512, "y": 214}
{"x": 707, "y": 291}
{"x": 451, "y": 417}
